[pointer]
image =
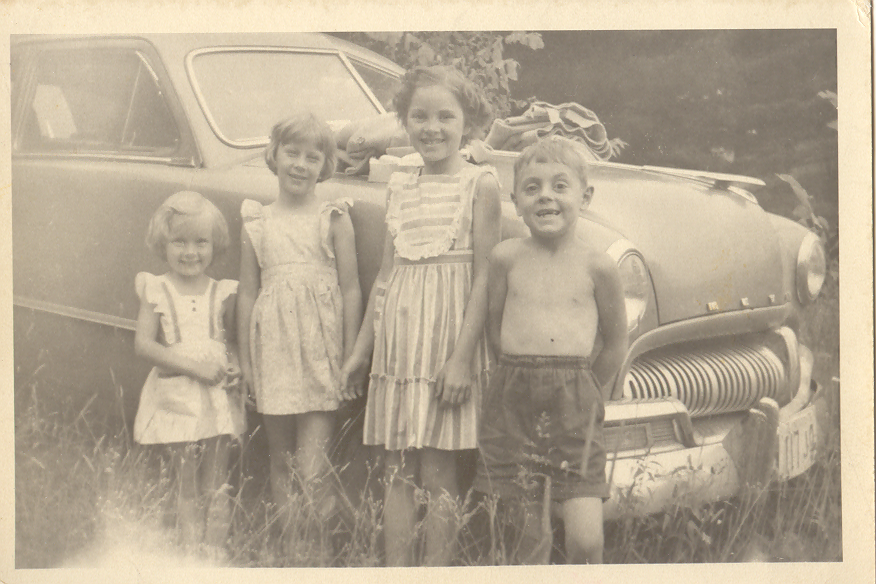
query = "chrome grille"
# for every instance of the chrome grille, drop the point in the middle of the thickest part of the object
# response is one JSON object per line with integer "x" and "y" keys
{"x": 709, "y": 380}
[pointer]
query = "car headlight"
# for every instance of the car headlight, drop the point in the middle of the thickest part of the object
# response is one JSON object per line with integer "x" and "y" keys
{"x": 636, "y": 284}
{"x": 811, "y": 268}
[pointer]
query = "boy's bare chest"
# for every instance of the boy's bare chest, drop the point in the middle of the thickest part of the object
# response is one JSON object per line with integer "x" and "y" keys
{"x": 551, "y": 283}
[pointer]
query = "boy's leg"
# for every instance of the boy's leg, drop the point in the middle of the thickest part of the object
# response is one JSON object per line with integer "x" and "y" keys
{"x": 217, "y": 490}
{"x": 399, "y": 513}
{"x": 438, "y": 476}
{"x": 533, "y": 524}
{"x": 583, "y": 527}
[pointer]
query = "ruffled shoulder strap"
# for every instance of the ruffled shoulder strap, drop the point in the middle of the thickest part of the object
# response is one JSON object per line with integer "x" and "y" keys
{"x": 326, "y": 210}
{"x": 151, "y": 291}
{"x": 252, "y": 213}
{"x": 155, "y": 290}
{"x": 225, "y": 289}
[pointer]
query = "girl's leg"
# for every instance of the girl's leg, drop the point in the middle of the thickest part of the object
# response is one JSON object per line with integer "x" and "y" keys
{"x": 216, "y": 490}
{"x": 189, "y": 518}
{"x": 399, "y": 513}
{"x": 438, "y": 476}
{"x": 583, "y": 523}
{"x": 314, "y": 431}
{"x": 281, "y": 449}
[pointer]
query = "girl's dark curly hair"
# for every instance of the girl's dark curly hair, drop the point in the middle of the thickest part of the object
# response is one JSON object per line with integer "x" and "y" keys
{"x": 471, "y": 98}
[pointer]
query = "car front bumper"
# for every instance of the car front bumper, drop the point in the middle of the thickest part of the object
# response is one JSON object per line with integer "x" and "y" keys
{"x": 709, "y": 459}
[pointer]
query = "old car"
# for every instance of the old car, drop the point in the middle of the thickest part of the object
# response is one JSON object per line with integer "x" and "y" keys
{"x": 715, "y": 391}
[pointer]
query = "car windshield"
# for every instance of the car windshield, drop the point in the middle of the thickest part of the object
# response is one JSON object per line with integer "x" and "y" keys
{"x": 245, "y": 92}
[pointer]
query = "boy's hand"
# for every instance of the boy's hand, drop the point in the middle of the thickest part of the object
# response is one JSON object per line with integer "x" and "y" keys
{"x": 453, "y": 383}
{"x": 353, "y": 377}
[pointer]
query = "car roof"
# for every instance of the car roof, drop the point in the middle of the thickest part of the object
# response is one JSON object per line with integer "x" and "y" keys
{"x": 186, "y": 42}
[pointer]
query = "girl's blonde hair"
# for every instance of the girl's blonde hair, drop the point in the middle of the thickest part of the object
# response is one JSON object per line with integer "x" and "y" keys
{"x": 303, "y": 127}
{"x": 475, "y": 107}
{"x": 185, "y": 204}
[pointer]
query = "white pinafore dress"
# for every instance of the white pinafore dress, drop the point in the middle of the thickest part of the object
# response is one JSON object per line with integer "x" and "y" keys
{"x": 174, "y": 407}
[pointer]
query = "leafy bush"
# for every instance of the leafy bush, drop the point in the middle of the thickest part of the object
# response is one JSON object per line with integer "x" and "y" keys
{"x": 479, "y": 55}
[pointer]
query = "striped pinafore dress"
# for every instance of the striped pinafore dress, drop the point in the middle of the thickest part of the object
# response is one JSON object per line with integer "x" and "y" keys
{"x": 420, "y": 316}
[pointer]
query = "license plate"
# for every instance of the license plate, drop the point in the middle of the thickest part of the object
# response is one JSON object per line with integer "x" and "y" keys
{"x": 797, "y": 444}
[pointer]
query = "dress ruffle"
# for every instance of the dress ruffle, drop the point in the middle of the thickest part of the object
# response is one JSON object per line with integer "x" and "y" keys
{"x": 329, "y": 208}
{"x": 404, "y": 240}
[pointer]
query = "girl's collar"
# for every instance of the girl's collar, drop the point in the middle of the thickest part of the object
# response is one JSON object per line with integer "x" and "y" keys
{"x": 465, "y": 166}
{"x": 175, "y": 287}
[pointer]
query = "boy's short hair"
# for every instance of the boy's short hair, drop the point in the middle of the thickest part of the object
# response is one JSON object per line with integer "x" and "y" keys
{"x": 185, "y": 204}
{"x": 554, "y": 149}
{"x": 475, "y": 107}
{"x": 303, "y": 127}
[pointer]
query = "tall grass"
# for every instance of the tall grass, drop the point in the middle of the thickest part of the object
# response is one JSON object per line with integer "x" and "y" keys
{"x": 82, "y": 493}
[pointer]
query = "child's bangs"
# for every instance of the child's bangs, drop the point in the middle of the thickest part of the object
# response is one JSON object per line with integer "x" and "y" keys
{"x": 184, "y": 224}
{"x": 307, "y": 134}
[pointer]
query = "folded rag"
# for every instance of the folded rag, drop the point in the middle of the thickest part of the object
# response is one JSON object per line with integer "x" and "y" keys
{"x": 570, "y": 120}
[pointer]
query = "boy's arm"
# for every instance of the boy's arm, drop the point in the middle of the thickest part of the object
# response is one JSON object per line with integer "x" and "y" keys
{"x": 611, "y": 307}
{"x": 497, "y": 290}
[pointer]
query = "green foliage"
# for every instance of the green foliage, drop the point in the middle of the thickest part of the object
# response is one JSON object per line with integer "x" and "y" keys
{"x": 479, "y": 55}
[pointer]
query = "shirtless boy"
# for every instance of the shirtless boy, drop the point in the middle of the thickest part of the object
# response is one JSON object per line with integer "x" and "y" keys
{"x": 540, "y": 438}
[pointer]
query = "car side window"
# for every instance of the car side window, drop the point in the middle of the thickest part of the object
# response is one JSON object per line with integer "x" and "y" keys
{"x": 383, "y": 85}
{"x": 97, "y": 100}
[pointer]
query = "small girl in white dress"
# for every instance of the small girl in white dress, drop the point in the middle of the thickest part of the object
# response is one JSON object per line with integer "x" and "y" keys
{"x": 299, "y": 305}
{"x": 191, "y": 400}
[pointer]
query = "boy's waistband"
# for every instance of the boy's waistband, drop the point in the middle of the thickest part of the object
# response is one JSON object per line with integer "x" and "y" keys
{"x": 545, "y": 361}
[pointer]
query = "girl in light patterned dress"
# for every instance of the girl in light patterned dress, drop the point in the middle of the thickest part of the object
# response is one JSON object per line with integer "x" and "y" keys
{"x": 299, "y": 305}
{"x": 191, "y": 400}
{"x": 425, "y": 317}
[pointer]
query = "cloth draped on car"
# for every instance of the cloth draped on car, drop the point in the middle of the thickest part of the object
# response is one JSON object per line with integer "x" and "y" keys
{"x": 569, "y": 120}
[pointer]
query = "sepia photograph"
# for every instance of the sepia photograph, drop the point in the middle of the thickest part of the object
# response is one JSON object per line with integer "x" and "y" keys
{"x": 471, "y": 292}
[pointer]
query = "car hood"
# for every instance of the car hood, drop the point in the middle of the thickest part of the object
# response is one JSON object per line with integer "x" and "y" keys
{"x": 708, "y": 249}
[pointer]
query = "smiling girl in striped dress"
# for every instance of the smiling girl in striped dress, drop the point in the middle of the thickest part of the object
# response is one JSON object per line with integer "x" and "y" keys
{"x": 425, "y": 317}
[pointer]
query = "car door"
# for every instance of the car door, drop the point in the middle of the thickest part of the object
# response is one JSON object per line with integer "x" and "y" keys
{"x": 98, "y": 142}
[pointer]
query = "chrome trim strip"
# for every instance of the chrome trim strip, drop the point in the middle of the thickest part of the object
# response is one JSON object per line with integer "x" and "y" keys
{"x": 77, "y": 313}
{"x": 694, "y": 329}
{"x": 107, "y": 156}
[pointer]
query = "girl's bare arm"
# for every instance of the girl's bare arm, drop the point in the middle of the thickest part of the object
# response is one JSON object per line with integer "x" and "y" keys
{"x": 354, "y": 371}
{"x": 611, "y": 307}
{"x": 453, "y": 380}
{"x": 247, "y": 292}
{"x": 344, "y": 242}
